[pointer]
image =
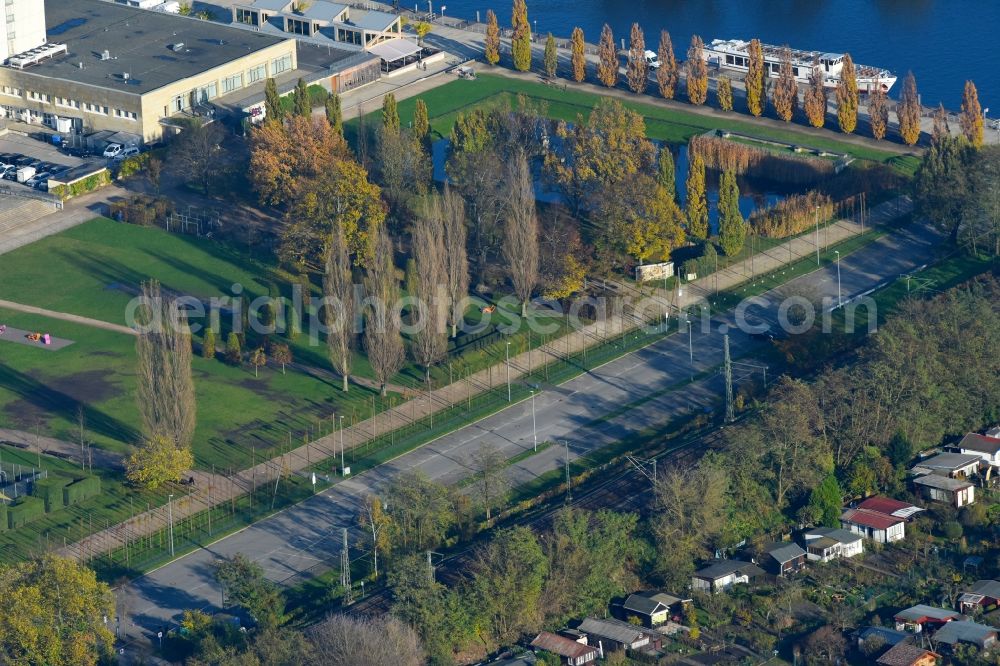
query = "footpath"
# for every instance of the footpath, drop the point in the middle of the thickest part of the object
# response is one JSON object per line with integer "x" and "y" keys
{"x": 214, "y": 489}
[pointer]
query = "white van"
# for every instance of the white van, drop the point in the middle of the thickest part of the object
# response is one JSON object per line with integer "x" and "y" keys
{"x": 112, "y": 150}
{"x": 652, "y": 59}
{"x": 126, "y": 153}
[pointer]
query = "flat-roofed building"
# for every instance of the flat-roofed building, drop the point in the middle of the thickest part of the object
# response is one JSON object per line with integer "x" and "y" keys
{"x": 360, "y": 28}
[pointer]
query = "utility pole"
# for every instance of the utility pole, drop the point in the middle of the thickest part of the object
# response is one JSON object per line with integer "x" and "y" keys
{"x": 343, "y": 464}
{"x": 170, "y": 518}
{"x": 729, "y": 380}
{"x": 345, "y": 572}
{"x": 534, "y": 428}
{"x": 507, "y": 356}
{"x": 690, "y": 348}
{"x": 840, "y": 301}
{"x": 569, "y": 491}
{"x": 817, "y": 235}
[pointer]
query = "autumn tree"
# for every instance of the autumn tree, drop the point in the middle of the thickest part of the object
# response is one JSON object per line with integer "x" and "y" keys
{"x": 273, "y": 111}
{"x": 489, "y": 473}
{"x": 697, "y": 205}
{"x": 814, "y": 99}
{"x": 939, "y": 125}
{"x": 338, "y": 288}
{"x": 457, "y": 268}
{"x": 197, "y": 153}
{"x": 724, "y": 93}
{"x": 637, "y": 72}
{"x": 430, "y": 339}
{"x": 158, "y": 461}
{"x": 234, "y": 351}
{"x": 258, "y": 359}
{"x": 878, "y": 112}
{"x": 164, "y": 386}
{"x": 422, "y": 512}
{"x": 492, "y": 47}
{"x": 908, "y": 111}
{"x": 208, "y": 344}
{"x": 520, "y": 41}
{"x": 578, "y": 56}
{"x": 374, "y": 521}
{"x": 285, "y": 158}
{"x": 421, "y": 122}
{"x": 281, "y": 354}
{"x": 403, "y": 167}
{"x": 346, "y": 640}
{"x": 341, "y": 197}
{"x": 666, "y": 172}
{"x": 335, "y": 114}
{"x": 971, "y": 118}
{"x": 508, "y": 575}
{"x": 786, "y": 92}
{"x": 607, "y": 67}
{"x": 60, "y": 614}
{"x": 520, "y": 247}
{"x": 390, "y": 113}
{"x": 382, "y": 338}
{"x": 244, "y": 585}
{"x": 647, "y": 222}
{"x": 732, "y": 226}
{"x": 754, "y": 79}
{"x": 551, "y": 58}
{"x": 666, "y": 75}
{"x": 562, "y": 255}
{"x": 697, "y": 72}
{"x": 300, "y": 100}
{"x": 847, "y": 97}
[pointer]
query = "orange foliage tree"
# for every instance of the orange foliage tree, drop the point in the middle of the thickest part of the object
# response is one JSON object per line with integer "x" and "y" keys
{"x": 697, "y": 72}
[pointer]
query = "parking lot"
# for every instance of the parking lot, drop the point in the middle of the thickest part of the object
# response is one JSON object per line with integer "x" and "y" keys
{"x": 18, "y": 151}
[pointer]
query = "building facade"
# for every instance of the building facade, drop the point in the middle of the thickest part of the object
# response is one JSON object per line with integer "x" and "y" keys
{"x": 22, "y": 29}
{"x": 361, "y": 28}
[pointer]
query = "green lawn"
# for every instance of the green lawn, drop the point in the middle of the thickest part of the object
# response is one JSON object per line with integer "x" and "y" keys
{"x": 675, "y": 126}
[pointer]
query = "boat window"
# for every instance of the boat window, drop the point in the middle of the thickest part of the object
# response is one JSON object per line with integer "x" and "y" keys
{"x": 729, "y": 60}
{"x": 795, "y": 71}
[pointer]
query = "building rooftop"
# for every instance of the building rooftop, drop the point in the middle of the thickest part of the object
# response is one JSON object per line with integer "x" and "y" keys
{"x": 987, "y": 588}
{"x": 271, "y": 5}
{"x": 371, "y": 20}
{"x": 890, "y": 507}
{"x": 784, "y": 552}
{"x": 835, "y": 534}
{"x": 923, "y": 612}
{"x": 721, "y": 568}
{"x": 903, "y": 654}
{"x": 982, "y": 443}
{"x": 649, "y": 602}
{"x": 620, "y": 632}
{"x": 941, "y": 482}
{"x": 888, "y": 636}
{"x": 964, "y": 631}
{"x": 876, "y": 520}
{"x": 949, "y": 462}
{"x": 321, "y": 10}
{"x": 139, "y": 44}
{"x": 562, "y": 646}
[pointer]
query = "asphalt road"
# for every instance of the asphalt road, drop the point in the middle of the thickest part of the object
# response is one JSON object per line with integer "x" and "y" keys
{"x": 308, "y": 535}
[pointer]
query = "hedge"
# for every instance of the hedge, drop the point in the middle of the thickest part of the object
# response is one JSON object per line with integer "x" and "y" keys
{"x": 81, "y": 489}
{"x": 50, "y": 491}
{"x": 24, "y": 510}
{"x": 88, "y": 184}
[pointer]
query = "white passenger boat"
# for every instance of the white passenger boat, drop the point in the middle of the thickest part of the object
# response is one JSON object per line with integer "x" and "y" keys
{"x": 734, "y": 54}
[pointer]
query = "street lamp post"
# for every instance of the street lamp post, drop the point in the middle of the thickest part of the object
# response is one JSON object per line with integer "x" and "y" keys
{"x": 534, "y": 428}
{"x": 817, "y": 235}
{"x": 343, "y": 464}
{"x": 690, "y": 348}
{"x": 170, "y": 518}
{"x": 840, "y": 301}
{"x": 507, "y": 356}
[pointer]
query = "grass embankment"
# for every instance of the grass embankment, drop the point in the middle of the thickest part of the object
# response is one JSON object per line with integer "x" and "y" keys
{"x": 444, "y": 103}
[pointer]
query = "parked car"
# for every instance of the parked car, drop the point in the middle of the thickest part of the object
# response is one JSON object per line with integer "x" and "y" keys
{"x": 126, "y": 153}
{"x": 58, "y": 168}
{"x": 112, "y": 150}
{"x": 37, "y": 179}
{"x": 8, "y": 172}
{"x": 22, "y": 160}
{"x": 652, "y": 60}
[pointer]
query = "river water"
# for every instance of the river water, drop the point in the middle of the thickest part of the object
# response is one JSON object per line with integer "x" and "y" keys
{"x": 944, "y": 42}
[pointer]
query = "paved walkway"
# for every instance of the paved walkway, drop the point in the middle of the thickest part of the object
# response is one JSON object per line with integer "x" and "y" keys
{"x": 63, "y": 449}
{"x": 210, "y": 490}
{"x": 65, "y": 316}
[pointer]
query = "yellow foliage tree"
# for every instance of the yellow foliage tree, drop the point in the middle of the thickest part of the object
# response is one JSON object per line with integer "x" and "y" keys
{"x": 607, "y": 67}
{"x": 971, "y": 120}
{"x": 492, "y": 48}
{"x": 697, "y": 205}
{"x": 637, "y": 72}
{"x": 814, "y": 100}
{"x": 754, "y": 79}
{"x": 285, "y": 156}
{"x": 697, "y": 72}
{"x": 158, "y": 461}
{"x": 908, "y": 111}
{"x": 578, "y": 56}
{"x": 786, "y": 92}
{"x": 878, "y": 112}
{"x": 847, "y": 97}
{"x": 666, "y": 74}
{"x": 724, "y": 93}
{"x": 56, "y": 611}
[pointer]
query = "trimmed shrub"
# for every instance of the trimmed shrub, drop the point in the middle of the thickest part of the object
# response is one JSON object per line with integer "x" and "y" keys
{"x": 24, "y": 510}
{"x": 81, "y": 489}
{"x": 50, "y": 491}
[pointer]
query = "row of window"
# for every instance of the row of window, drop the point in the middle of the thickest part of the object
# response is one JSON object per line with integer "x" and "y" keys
{"x": 775, "y": 67}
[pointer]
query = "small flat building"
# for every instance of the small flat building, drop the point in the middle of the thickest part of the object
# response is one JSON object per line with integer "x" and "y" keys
{"x": 783, "y": 559}
{"x": 720, "y": 575}
{"x": 653, "y": 608}
{"x": 615, "y": 635}
{"x": 572, "y": 653}
{"x": 880, "y": 519}
{"x": 349, "y": 26}
{"x": 954, "y": 465}
{"x": 964, "y": 631}
{"x": 937, "y": 488}
{"x": 824, "y": 544}
{"x": 906, "y": 654}
{"x": 923, "y": 617}
{"x": 982, "y": 594}
{"x": 987, "y": 446}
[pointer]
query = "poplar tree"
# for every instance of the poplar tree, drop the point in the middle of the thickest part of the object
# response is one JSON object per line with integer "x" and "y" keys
{"x": 666, "y": 174}
{"x": 939, "y": 127}
{"x": 334, "y": 114}
{"x": 578, "y": 55}
{"x": 697, "y": 72}
{"x": 300, "y": 98}
{"x": 421, "y": 122}
{"x": 724, "y": 93}
{"x": 732, "y": 226}
{"x": 272, "y": 102}
{"x": 551, "y": 57}
{"x": 520, "y": 43}
{"x": 786, "y": 92}
{"x": 637, "y": 72}
{"x": 754, "y": 80}
{"x": 667, "y": 75}
{"x": 971, "y": 118}
{"x": 492, "y": 49}
{"x": 814, "y": 103}
{"x": 878, "y": 112}
{"x": 607, "y": 68}
{"x": 908, "y": 111}
{"x": 697, "y": 206}
{"x": 390, "y": 114}
{"x": 847, "y": 97}
{"x": 208, "y": 344}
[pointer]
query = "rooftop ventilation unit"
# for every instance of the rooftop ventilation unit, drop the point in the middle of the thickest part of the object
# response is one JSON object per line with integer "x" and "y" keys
{"x": 178, "y": 47}
{"x": 105, "y": 55}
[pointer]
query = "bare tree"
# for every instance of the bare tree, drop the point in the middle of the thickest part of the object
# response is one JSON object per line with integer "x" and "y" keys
{"x": 338, "y": 287}
{"x": 341, "y": 640}
{"x": 520, "y": 248}
{"x": 458, "y": 259}
{"x": 430, "y": 341}
{"x": 490, "y": 473}
{"x": 383, "y": 341}
{"x": 164, "y": 387}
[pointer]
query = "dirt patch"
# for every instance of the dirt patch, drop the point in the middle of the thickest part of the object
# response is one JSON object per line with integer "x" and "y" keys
{"x": 39, "y": 398}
